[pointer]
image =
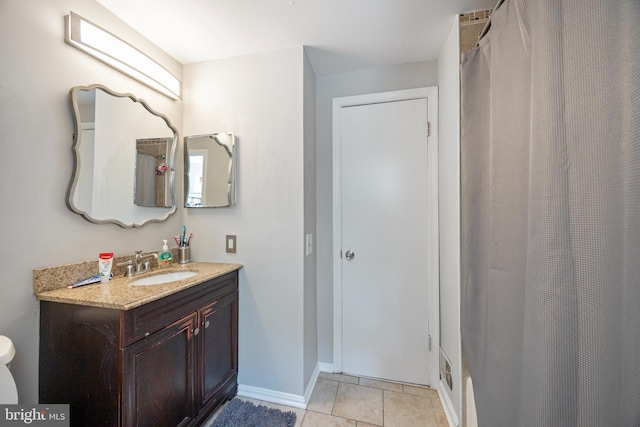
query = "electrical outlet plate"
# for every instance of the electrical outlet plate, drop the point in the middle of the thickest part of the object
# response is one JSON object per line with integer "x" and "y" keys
{"x": 230, "y": 245}
{"x": 445, "y": 370}
{"x": 447, "y": 375}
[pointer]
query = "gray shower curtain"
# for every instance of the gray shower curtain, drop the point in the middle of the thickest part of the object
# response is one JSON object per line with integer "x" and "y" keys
{"x": 550, "y": 220}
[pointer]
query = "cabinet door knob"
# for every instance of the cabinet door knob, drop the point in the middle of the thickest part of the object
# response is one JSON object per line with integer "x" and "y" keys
{"x": 196, "y": 331}
{"x": 206, "y": 324}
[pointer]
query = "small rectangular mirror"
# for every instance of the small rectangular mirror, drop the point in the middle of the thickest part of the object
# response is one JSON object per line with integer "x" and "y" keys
{"x": 209, "y": 170}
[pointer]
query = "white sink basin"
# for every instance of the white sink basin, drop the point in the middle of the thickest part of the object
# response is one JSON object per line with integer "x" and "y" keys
{"x": 163, "y": 278}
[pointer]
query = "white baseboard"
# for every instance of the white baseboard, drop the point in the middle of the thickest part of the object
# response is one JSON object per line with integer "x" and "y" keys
{"x": 447, "y": 404}
{"x": 281, "y": 398}
{"x": 273, "y": 396}
{"x": 311, "y": 385}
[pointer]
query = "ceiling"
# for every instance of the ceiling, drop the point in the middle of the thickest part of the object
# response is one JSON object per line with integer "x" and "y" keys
{"x": 341, "y": 35}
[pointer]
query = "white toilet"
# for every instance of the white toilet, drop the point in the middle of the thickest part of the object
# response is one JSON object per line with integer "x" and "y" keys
{"x": 8, "y": 390}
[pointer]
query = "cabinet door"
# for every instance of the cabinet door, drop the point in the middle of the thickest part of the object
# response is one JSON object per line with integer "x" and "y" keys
{"x": 159, "y": 377}
{"x": 219, "y": 342}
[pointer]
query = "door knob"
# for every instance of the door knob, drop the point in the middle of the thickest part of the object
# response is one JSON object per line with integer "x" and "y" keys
{"x": 349, "y": 255}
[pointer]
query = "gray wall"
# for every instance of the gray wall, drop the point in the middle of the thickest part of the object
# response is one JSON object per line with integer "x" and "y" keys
{"x": 310, "y": 262}
{"x": 261, "y": 98}
{"x": 37, "y": 70}
{"x": 407, "y": 76}
{"x": 36, "y": 73}
{"x": 449, "y": 205}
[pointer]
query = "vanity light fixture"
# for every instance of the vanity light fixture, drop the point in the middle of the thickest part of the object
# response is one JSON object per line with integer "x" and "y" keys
{"x": 120, "y": 55}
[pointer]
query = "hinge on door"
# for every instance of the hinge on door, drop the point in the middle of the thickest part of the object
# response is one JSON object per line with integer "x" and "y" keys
{"x": 429, "y": 341}
{"x": 428, "y": 128}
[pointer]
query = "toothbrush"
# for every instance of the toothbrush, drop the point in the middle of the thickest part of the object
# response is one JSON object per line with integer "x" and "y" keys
{"x": 189, "y": 239}
{"x": 184, "y": 235}
{"x": 89, "y": 281}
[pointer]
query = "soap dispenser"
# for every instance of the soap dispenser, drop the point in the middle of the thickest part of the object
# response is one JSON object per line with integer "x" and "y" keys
{"x": 165, "y": 258}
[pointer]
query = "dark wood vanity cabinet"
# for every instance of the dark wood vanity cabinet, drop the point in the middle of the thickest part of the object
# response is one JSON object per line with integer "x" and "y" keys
{"x": 158, "y": 383}
{"x": 170, "y": 362}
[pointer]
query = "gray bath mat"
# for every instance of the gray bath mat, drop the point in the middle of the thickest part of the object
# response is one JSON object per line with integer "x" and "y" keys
{"x": 238, "y": 413}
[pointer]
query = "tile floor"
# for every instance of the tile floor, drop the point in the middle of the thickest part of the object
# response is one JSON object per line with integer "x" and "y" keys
{"x": 346, "y": 401}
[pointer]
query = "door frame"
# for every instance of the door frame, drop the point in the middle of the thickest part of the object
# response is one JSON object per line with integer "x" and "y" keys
{"x": 433, "y": 329}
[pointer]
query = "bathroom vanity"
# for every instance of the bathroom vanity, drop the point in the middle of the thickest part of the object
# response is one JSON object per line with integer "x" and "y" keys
{"x": 158, "y": 355}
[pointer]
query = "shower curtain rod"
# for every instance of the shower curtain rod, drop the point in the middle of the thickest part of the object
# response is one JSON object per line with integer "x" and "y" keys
{"x": 158, "y": 156}
{"x": 486, "y": 27}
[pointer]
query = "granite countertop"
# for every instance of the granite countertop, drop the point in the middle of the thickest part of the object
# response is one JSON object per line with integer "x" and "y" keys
{"x": 120, "y": 294}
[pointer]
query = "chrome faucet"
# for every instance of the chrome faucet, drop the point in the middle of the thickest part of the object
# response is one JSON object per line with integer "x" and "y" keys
{"x": 140, "y": 263}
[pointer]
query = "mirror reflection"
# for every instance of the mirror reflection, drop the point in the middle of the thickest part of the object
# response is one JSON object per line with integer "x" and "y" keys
{"x": 123, "y": 152}
{"x": 151, "y": 180}
{"x": 210, "y": 170}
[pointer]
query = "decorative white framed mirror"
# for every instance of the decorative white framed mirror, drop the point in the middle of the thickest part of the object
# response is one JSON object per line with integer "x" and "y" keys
{"x": 123, "y": 169}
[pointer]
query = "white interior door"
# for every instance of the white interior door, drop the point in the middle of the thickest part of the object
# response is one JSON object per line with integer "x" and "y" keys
{"x": 385, "y": 248}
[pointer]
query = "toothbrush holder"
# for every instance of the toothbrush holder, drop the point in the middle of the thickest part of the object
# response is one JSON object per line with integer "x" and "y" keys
{"x": 184, "y": 254}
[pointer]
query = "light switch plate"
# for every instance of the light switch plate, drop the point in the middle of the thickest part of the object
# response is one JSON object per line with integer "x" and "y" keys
{"x": 230, "y": 244}
{"x": 308, "y": 239}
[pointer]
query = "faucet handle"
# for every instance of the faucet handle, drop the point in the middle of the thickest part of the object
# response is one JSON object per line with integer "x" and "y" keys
{"x": 129, "y": 270}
